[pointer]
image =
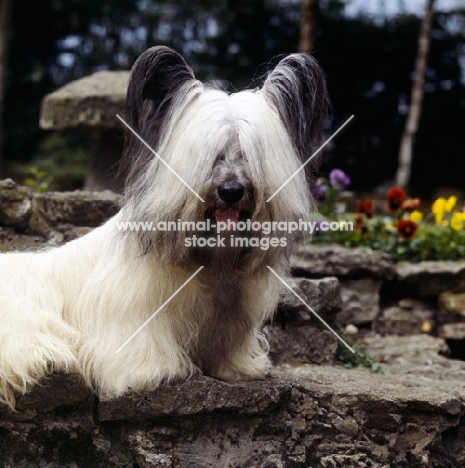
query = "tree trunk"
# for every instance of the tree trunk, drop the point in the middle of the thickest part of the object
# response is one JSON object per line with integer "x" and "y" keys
{"x": 5, "y": 18}
{"x": 416, "y": 99}
{"x": 307, "y": 26}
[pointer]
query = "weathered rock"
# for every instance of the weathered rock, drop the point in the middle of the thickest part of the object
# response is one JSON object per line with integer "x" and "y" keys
{"x": 304, "y": 416}
{"x": 334, "y": 260}
{"x": 453, "y": 331}
{"x": 15, "y": 204}
{"x": 182, "y": 399}
{"x": 61, "y": 211}
{"x": 431, "y": 277}
{"x": 360, "y": 302}
{"x": 11, "y": 241}
{"x": 54, "y": 393}
{"x": 350, "y": 329}
{"x": 452, "y": 306}
{"x": 409, "y": 303}
{"x": 322, "y": 295}
{"x": 330, "y": 415}
{"x": 398, "y": 320}
{"x": 454, "y": 335}
{"x": 92, "y": 101}
{"x": 54, "y": 444}
{"x": 300, "y": 341}
{"x": 301, "y": 345}
{"x": 420, "y": 357}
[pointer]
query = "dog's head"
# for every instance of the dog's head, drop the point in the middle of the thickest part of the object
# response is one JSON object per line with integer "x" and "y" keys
{"x": 226, "y": 157}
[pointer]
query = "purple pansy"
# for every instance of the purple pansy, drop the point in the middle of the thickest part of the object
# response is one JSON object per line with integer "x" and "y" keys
{"x": 319, "y": 193}
{"x": 339, "y": 179}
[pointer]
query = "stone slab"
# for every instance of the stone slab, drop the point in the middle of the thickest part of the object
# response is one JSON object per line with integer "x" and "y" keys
{"x": 322, "y": 295}
{"x": 431, "y": 278}
{"x": 183, "y": 399}
{"x": 92, "y": 102}
{"x": 334, "y": 260}
{"x": 300, "y": 416}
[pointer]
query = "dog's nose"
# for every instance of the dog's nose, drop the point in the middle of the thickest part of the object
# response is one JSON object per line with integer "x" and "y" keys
{"x": 231, "y": 192}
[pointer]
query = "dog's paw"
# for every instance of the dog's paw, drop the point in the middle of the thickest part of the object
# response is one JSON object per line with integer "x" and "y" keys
{"x": 231, "y": 375}
{"x": 248, "y": 369}
{"x": 29, "y": 354}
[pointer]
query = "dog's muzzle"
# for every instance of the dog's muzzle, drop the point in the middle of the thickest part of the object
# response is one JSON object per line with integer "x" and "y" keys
{"x": 230, "y": 192}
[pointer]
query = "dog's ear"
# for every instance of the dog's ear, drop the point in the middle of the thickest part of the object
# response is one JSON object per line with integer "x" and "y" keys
{"x": 297, "y": 88}
{"x": 156, "y": 77}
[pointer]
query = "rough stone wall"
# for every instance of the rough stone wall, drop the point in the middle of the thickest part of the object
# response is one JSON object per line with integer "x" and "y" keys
{"x": 307, "y": 416}
{"x": 29, "y": 221}
{"x": 307, "y": 413}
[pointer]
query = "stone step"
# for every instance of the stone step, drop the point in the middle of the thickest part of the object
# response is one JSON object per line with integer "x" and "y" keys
{"x": 297, "y": 417}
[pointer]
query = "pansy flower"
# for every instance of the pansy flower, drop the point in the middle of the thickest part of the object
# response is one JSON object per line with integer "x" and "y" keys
{"x": 365, "y": 207}
{"x": 457, "y": 222}
{"x": 395, "y": 197}
{"x": 339, "y": 179}
{"x": 406, "y": 228}
{"x": 441, "y": 206}
{"x": 416, "y": 216}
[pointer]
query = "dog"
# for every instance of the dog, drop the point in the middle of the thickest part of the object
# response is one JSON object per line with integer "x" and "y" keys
{"x": 193, "y": 154}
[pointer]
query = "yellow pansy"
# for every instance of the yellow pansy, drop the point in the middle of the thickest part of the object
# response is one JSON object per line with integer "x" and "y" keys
{"x": 450, "y": 203}
{"x": 416, "y": 216}
{"x": 457, "y": 221}
{"x": 439, "y": 206}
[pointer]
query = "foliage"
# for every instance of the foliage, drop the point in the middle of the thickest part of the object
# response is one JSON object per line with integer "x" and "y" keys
{"x": 62, "y": 164}
{"x": 430, "y": 243}
{"x": 328, "y": 191}
{"x": 360, "y": 358}
{"x": 38, "y": 180}
{"x": 403, "y": 232}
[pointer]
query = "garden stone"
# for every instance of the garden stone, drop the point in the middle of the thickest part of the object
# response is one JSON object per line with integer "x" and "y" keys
{"x": 453, "y": 331}
{"x": 92, "y": 103}
{"x": 322, "y": 295}
{"x": 61, "y": 211}
{"x": 300, "y": 341}
{"x": 11, "y": 241}
{"x": 418, "y": 359}
{"x": 316, "y": 261}
{"x": 58, "y": 392}
{"x": 360, "y": 302}
{"x": 454, "y": 334}
{"x": 306, "y": 344}
{"x": 410, "y": 303}
{"x": 297, "y": 416}
{"x": 430, "y": 278}
{"x": 402, "y": 321}
{"x": 15, "y": 204}
{"x": 350, "y": 329}
{"x": 452, "y": 306}
{"x": 183, "y": 399}
{"x": 325, "y": 414}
